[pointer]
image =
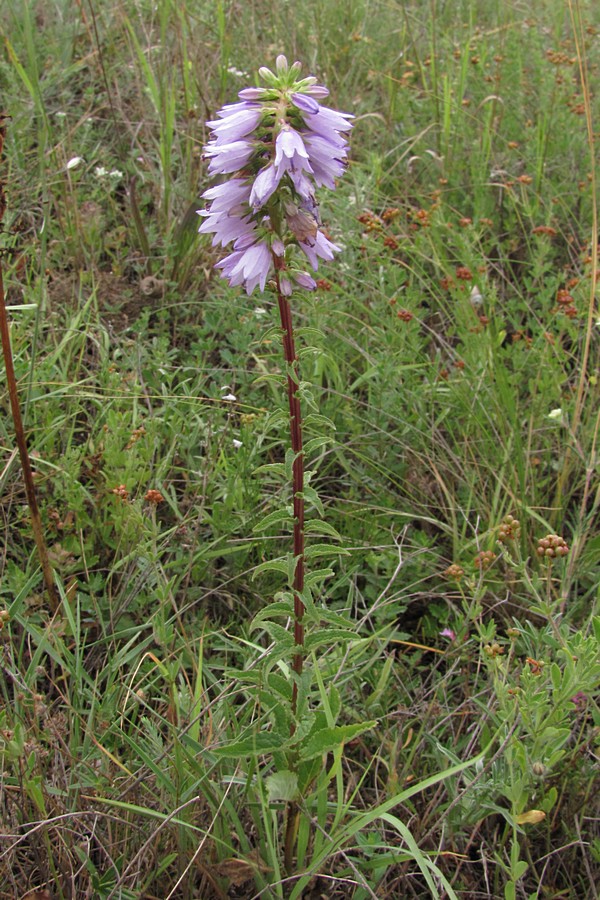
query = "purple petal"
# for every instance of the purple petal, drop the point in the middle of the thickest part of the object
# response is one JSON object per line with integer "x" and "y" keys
{"x": 235, "y": 126}
{"x": 285, "y": 286}
{"x": 317, "y": 90}
{"x": 306, "y": 104}
{"x": 305, "y": 281}
{"x": 231, "y": 109}
{"x": 226, "y": 158}
{"x": 289, "y": 143}
{"x": 249, "y": 267}
{"x": 252, "y": 93}
{"x": 328, "y": 120}
{"x": 265, "y": 184}
{"x": 320, "y": 247}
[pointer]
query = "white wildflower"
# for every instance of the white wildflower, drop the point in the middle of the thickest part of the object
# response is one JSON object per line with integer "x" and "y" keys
{"x": 74, "y": 162}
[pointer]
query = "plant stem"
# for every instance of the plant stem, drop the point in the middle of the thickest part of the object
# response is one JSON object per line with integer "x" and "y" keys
{"x": 11, "y": 382}
{"x": 291, "y": 359}
{"x": 293, "y": 382}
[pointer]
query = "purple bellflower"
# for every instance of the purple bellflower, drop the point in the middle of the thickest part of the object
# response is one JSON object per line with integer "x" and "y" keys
{"x": 277, "y": 145}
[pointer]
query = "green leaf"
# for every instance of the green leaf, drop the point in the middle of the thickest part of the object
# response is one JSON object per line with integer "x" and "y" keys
{"x": 555, "y": 675}
{"x": 282, "y": 786}
{"x": 274, "y": 518}
{"x": 318, "y": 422}
{"x": 307, "y": 332}
{"x": 280, "y": 685}
{"x": 328, "y": 636}
{"x": 292, "y": 564}
{"x": 311, "y": 496}
{"x": 313, "y": 551}
{"x": 254, "y": 745}
{"x": 319, "y": 526}
{"x": 315, "y": 443}
{"x": 271, "y": 565}
{"x": 332, "y": 618}
{"x": 318, "y": 576}
{"x": 290, "y": 456}
{"x": 520, "y": 869}
{"x": 273, "y": 468}
{"x": 335, "y": 701}
{"x": 328, "y": 739}
{"x": 282, "y": 637}
{"x": 278, "y": 608}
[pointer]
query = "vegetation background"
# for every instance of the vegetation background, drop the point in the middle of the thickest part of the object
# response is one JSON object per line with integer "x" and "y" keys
{"x": 454, "y": 346}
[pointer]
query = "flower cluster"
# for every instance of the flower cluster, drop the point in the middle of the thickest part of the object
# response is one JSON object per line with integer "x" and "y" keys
{"x": 276, "y": 145}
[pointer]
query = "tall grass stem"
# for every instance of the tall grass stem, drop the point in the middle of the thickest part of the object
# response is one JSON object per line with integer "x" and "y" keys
{"x": 36, "y": 521}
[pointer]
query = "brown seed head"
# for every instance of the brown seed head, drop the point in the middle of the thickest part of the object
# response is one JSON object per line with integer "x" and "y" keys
{"x": 552, "y": 546}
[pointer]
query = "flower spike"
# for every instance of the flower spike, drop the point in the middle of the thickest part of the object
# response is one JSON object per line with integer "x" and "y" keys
{"x": 276, "y": 146}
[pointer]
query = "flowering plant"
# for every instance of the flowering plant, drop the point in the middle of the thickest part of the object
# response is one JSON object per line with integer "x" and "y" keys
{"x": 276, "y": 146}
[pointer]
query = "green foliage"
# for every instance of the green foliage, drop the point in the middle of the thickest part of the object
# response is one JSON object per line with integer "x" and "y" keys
{"x": 449, "y": 365}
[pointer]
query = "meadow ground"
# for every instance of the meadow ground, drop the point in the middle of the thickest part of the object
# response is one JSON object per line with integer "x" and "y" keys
{"x": 454, "y": 346}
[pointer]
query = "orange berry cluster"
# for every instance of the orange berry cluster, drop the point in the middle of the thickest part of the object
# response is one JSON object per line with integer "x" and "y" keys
{"x": 455, "y": 572}
{"x": 551, "y": 546}
{"x": 484, "y": 559}
{"x": 153, "y": 496}
{"x": 509, "y": 530}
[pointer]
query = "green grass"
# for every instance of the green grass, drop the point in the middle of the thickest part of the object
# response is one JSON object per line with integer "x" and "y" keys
{"x": 442, "y": 354}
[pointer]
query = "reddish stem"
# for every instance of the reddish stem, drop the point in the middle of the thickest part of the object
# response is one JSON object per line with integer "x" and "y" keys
{"x": 289, "y": 352}
{"x": 11, "y": 383}
{"x": 36, "y": 521}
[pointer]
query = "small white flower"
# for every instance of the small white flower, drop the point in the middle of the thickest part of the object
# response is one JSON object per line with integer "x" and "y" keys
{"x": 237, "y": 72}
{"x": 60, "y": 114}
{"x": 230, "y": 397}
{"x": 115, "y": 173}
{"x": 476, "y": 296}
{"x": 100, "y": 171}
{"x": 260, "y": 311}
{"x": 74, "y": 162}
{"x": 555, "y": 413}
{"x": 237, "y": 444}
